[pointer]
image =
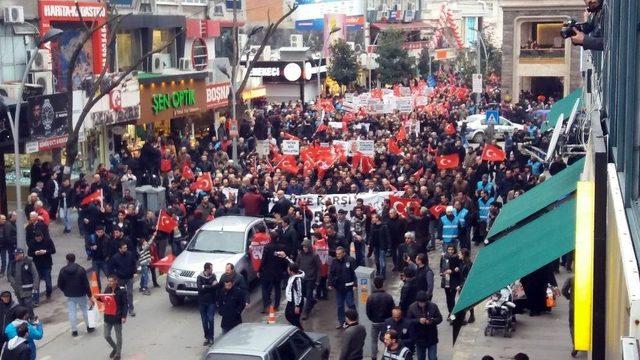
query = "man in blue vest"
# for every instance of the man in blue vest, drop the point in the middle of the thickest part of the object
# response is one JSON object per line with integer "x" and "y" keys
{"x": 461, "y": 214}
{"x": 485, "y": 185}
{"x": 484, "y": 203}
{"x": 449, "y": 229}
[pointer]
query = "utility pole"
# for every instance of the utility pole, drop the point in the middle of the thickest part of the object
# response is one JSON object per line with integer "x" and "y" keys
{"x": 234, "y": 69}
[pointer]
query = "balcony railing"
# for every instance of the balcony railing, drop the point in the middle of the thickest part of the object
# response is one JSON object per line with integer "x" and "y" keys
{"x": 542, "y": 53}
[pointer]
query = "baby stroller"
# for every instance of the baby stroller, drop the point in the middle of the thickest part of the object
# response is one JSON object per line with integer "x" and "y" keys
{"x": 501, "y": 313}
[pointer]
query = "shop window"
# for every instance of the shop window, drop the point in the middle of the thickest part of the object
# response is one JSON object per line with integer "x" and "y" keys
{"x": 128, "y": 48}
{"x": 224, "y": 44}
{"x": 160, "y": 38}
{"x": 14, "y": 55}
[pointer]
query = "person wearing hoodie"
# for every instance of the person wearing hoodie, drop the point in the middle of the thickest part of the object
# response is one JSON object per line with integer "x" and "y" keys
{"x": 34, "y": 329}
{"x": 73, "y": 282}
{"x": 309, "y": 263}
{"x": 294, "y": 295}
{"x": 7, "y": 311}
{"x": 18, "y": 347}
{"x": 22, "y": 276}
{"x": 207, "y": 284}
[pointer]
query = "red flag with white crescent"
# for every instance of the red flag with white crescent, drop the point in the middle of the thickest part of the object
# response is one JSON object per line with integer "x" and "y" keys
{"x": 401, "y": 204}
{"x": 166, "y": 222}
{"x": 493, "y": 153}
{"x": 447, "y": 161}
{"x": 286, "y": 163}
{"x": 402, "y": 133}
{"x": 187, "y": 173}
{"x": 96, "y": 195}
{"x": 393, "y": 147}
{"x": 437, "y": 210}
{"x": 204, "y": 183}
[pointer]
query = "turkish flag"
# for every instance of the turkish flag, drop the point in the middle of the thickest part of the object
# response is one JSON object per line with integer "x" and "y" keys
{"x": 96, "y": 195}
{"x": 348, "y": 117}
{"x": 321, "y": 128}
{"x": 362, "y": 163}
{"x": 187, "y": 173}
{"x": 402, "y": 133}
{"x": 163, "y": 265}
{"x": 493, "y": 153}
{"x": 286, "y": 163}
{"x": 204, "y": 183}
{"x": 401, "y": 204}
{"x": 376, "y": 94}
{"x": 419, "y": 173}
{"x": 109, "y": 303}
{"x": 166, "y": 222}
{"x": 447, "y": 161}
{"x": 449, "y": 129}
{"x": 393, "y": 147}
{"x": 288, "y": 136}
{"x": 437, "y": 210}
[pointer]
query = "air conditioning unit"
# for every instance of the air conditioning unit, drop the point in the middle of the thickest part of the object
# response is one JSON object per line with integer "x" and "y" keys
{"x": 185, "y": 64}
{"x": 409, "y": 16}
{"x": 42, "y": 79}
{"x": 13, "y": 14}
{"x": 9, "y": 90}
{"x": 242, "y": 40}
{"x": 384, "y": 15}
{"x": 215, "y": 10}
{"x": 296, "y": 40}
{"x": 352, "y": 45}
{"x": 410, "y": 6}
{"x": 42, "y": 61}
{"x": 159, "y": 62}
{"x": 266, "y": 53}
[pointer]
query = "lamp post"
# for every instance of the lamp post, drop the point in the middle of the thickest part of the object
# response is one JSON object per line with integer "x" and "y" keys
{"x": 14, "y": 123}
{"x": 324, "y": 43}
{"x": 479, "y": 64}
{"x": 369, "y": 58}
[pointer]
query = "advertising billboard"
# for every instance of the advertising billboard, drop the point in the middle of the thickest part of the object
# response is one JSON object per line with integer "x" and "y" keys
{"x": 317, "y": 9}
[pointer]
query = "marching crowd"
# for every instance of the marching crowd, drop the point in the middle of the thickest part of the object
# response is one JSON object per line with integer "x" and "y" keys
{"x": 446, "y": 208}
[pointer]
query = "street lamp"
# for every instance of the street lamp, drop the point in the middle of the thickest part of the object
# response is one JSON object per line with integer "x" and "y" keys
{"x": 324, "y": 43}
{"x": 369, "y": 58}
{"x": 14, "y": 123}
{"x": 478, "y": 66}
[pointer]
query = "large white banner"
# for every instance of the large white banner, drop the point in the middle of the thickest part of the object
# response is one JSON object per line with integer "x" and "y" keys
{"x": 316, "y": 202}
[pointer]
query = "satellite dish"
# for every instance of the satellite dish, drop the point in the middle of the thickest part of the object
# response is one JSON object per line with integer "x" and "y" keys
{"x": 572, "y": 118}
{"x": 554, "y": 138}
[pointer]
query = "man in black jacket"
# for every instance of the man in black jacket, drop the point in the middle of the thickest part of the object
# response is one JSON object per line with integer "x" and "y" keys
{"x": 309, "y": 263}
{"x": 40, "y": 251}
{"x": 73, "y": 282}
{"x": 271, "y": 274}
{"x": 409, "y": 289}
{"x": 231, "y": 303}
{"x": 401, "y": 325}
{"x": 425, "y": 316}
{"x": 115, "y": 314}
{"x": 397, "y": 227}
{"x": 124, "y": 265}
{"x": 207, "y": 285}
{"x": 282, "y": 205}
{"x": 424, "y": 275}
{"x": 99, "y": 247}
{"x": 289, "y": 238}
{"x": 8, "y": 240}
{"x": 7, "y": 312}
{"x": 379, "y": 242}
{"x": 342, "y": 277}
{"x": 353, "y": 337}
{"x": 379, "y": 306}
{"x": 343, "y": 230}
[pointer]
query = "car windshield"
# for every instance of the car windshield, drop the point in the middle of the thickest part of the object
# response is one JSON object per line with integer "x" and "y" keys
{"x": 224, "y": 242}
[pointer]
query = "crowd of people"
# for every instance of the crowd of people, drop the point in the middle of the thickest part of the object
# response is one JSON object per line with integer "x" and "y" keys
{"x": 122, "y": 238}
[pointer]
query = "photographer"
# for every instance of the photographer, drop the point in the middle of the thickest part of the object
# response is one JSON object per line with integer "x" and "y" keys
{"x": 589, "y": 34}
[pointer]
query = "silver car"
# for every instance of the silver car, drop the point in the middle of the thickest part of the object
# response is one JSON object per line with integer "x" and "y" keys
{"x": 477, "y": 126}
{"x": 220, "y": 241}
{"x": 254, "y": 341}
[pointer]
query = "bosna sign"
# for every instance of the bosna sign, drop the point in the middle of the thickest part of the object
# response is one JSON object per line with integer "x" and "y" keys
{"x": 177, "y": 100}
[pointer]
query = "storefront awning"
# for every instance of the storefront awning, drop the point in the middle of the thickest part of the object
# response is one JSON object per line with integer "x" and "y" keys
{"x": 520, "y": 253}
{"x": 412, "y": 26}
{"x": 536, "y": 199}
{"x": 562, "y": 107}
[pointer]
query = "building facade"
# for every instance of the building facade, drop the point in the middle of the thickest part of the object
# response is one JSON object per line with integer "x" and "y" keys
{"x": 535, "y": 58}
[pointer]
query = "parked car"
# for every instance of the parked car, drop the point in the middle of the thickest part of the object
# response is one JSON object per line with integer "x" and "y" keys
{"x": 220, "y": 241}
{"x": 477, "y": 126}
{"x": 254, "y": 341}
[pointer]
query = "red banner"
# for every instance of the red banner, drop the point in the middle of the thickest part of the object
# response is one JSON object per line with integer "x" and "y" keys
{"x": 437, "y": 210}
{"x": 96, "y": 195}
{"x": 447, "y": 161}
{"x": 401, "y": 204}
{"x": 166, "y": 222}
{"x": 493, "y": 153}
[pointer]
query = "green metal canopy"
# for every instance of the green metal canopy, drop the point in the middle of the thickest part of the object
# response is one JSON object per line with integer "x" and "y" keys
{"x": 555, "y": 188}
{"x": 520, "y": 253}
{"x": 562, "y": 107}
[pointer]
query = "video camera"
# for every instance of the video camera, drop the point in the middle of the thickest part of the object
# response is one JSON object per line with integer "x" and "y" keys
{"x": 568, "y": 26}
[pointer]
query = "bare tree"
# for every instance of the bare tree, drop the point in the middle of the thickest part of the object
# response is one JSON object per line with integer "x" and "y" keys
{"x": 101, "y": 85}
{"x": 269, "y": 31}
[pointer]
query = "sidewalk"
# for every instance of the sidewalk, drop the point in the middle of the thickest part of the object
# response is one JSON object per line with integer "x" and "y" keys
{"x": 541, "y": 337}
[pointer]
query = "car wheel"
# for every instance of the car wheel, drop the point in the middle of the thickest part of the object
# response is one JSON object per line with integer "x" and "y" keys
{"x": 478, "y": 138}
{"x": 176, "y": 300}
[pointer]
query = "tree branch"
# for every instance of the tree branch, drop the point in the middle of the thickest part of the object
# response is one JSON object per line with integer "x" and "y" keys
{"x": 112, "y": 37}
{"x": 270, "y": 30}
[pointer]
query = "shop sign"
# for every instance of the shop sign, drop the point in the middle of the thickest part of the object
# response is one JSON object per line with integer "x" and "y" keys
{"x": 177, "y": 100}
{"x": 218, "y": 95}
{"x": 121, "y": 105}
{"x": 68, "y": 11}
{"x": 265, "y": 72}
{"x": 47, "y": 118}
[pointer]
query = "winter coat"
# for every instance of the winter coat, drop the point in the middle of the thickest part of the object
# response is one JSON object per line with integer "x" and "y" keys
{"x": 425, "y": 334}
{"x": 309, "y": 262}
{"x": 379, "y": 236}
{"x": 42, "y": 261}
{"x": 7, "y": 315}
{"x": 17, "y": 349}
{"x": 9, "y": 236}
{"x": 448, "y": 262}
{"x": 272, "y": 267}
{"x": 22, "y": 275}
{"x": 120, "y": 295}
{"x": 35, "y": 333}
{"x": 404, "y": 328}
{"x": 73, "y": 281}
{"x": 353, "y": 342}
{"x": 424, "y": 280}
{"x": 408, "y": 294}
{"x": 207, "y": 286}
{"x": 342, "y": 275}
{"x": 231, "y": 303}
{"x": 379, "y": 306}
{"x": 124, "y": 266}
